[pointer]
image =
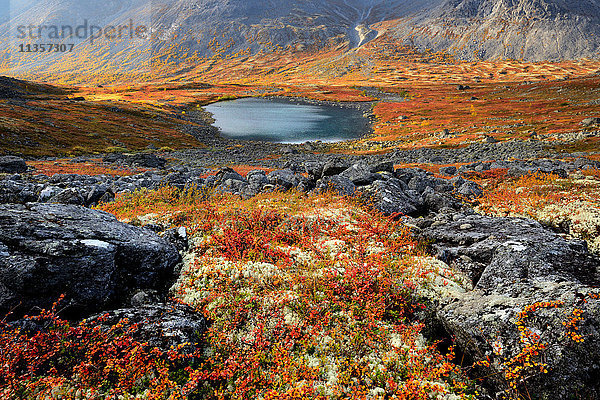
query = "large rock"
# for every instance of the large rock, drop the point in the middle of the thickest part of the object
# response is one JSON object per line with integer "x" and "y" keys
{"x": 335, "y": 166}
{"x": 12, "y": 165}
{"x": 338, "y": 184}
{"x": 227, "y": 173}
{"x": 507, "y": 265}
{"x": 146, "y": 160}
{"x": 392, "y": 197}
{"x": 314, "y": 169}
{"x": 47, "y": 250}
{"x": 164, "y": 326}
{"x": 284, "y": 178}
{"x": 496, "y": 252}
{"x": 448, "y": 171}
{"x": 12, "y": 191}
{"x": 360, "y": 174}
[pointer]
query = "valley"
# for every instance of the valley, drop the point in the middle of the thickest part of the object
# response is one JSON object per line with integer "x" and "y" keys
{"x": 342, "y": 199}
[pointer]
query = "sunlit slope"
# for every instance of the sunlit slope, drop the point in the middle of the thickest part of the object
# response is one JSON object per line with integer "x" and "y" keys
{"x": 182, "y": 34}
{"x": 507, "y": 29}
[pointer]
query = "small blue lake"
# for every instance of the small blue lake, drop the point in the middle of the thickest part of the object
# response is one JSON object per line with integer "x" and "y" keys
{"x": 286, "y": 121}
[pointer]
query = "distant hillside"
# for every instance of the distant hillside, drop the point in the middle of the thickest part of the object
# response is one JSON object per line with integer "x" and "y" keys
{"x": 17, "y": 89}
{"x": 274, "y": 24}
{"x": 531, "y": 30}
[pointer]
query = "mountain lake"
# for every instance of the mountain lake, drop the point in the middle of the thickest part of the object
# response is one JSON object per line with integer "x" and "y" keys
{"x": 287, "y": 121}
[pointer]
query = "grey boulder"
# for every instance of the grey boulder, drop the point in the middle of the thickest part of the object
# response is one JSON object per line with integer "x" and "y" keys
{"x": 499, "y": 267}
{"x": 164, "y": 326}
{"x": 12, "y": 165}
{"x": 392, "y": 197}
{"x": 47, "y": 250}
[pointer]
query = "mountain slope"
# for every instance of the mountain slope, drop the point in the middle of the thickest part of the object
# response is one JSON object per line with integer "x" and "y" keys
{"x": 274, "y": 24}
{"x": 522, "y": 29}
{"x": 532, "y": 30}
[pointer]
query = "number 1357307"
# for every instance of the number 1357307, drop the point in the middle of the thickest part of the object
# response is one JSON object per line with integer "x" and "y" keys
{"x": 46, "y": 48}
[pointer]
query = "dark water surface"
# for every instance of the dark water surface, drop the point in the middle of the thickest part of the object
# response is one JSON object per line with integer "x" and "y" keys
{"x": 286, "y": 121}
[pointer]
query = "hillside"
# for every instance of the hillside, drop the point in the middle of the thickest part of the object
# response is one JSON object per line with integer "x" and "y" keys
{"x": 224, "y": 29}
{"x": 424, "y": 226}
{"x": 508, "y": 29}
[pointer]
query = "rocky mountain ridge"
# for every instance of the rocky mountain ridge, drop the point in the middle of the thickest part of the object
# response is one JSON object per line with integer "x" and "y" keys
{"x": 508, "y": 29}
{"x": 467, "y": 29}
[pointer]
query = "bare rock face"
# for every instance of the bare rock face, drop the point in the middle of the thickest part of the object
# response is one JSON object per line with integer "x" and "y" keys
{"x": 479, "y": 29}
{"x": 497, "y": 252}
{"x": 468, "y": 29}
{"x": 511, "y": 265}
{"x": 48, "y": 249}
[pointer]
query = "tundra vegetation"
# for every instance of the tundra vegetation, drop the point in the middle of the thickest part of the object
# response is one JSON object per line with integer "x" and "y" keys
{"x": 307, "y": 295}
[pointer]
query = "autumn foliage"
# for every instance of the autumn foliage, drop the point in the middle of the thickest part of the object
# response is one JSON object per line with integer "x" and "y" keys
{"x": 309, "y": 297}
{"x": 48, "y": 357}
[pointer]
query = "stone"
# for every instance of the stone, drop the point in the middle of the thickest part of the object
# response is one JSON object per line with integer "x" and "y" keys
{"x": 177, "y": 237}
{"x": 448, "y": 171}
{"x": 284, "y": 178}
{"x": 289, "y": 150}
{"x": 470, "y": 190}
{"x": 99, "y": 194}
{"x": 257, "y": 179}
{"x": 113, "y": 157}
{"x": 392, "y": 197}
{"x": 510, "y": 249}
{"x": 308, "y": 146}
{"x": 360, "y": 174}
{"x": 227, "y": 173}
{"x": 496, "y": 268}
{"x": 164, "y": 326}
{"x": 12, "y": 165}
{"x": 17, "y": 192}
{"x": 335, "y": 166}
{"x": 339, "y": 184}
{"x": 384, "y": 166}
{"x": 146, "y": 160}
{"x": 420, "y": 183}
{"x": 314, "y": 169}
{"x": 88, "y": 255}
{"x": 68, "y": 196}
{"x": 234, "y": 186}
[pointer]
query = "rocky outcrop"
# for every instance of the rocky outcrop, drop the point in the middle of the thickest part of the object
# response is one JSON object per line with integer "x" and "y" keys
{"x": 12, "y": 165}
{"x": 416, "y": 192}
{"x": 144, "y": 160}
{"x": 404, "y": 191}
{"x": 87, "y": 190}
{"x": 509, "y": 264}
{"x": 542, "y": 30}
{"x": 496, "y": 252}
{"x": 393, "y": 197}
{"x": 47, "y": 250}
